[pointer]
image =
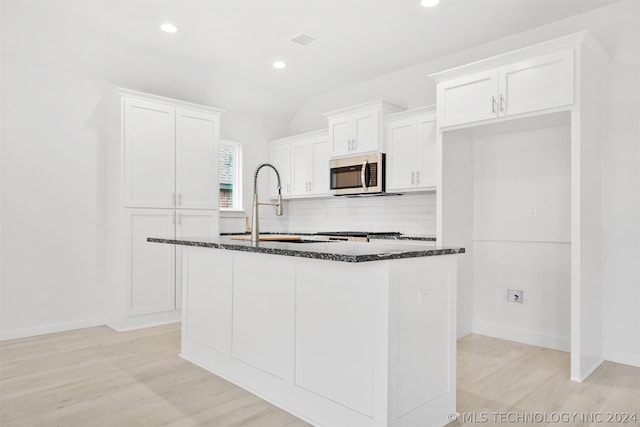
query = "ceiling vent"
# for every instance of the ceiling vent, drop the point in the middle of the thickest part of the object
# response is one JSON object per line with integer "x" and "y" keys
{"x": 302, "y": 39}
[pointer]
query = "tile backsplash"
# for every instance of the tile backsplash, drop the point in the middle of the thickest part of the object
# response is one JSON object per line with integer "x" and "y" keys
{"x": 410, "y": 214}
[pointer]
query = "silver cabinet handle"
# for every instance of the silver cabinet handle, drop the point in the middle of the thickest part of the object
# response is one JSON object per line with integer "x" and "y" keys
{"x": 418, "y": 177}
{"x": 413, "y": 181}
{"x": 350, "y": 144}
{"x": 288, "y": 188}
{"x": 363, "y": 175}
{"x": 179, "y": 199}
{"x": 493, "y": 104}
{"x": 310, "y": 186}
{"x": 173, "y": 199}
{"x": 355, "y": 144}
{"x": 501, "y": 103}
{"x": 180, "y": 218}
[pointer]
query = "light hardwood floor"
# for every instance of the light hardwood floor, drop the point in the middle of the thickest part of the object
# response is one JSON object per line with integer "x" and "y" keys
{"x": 98, "y": 377}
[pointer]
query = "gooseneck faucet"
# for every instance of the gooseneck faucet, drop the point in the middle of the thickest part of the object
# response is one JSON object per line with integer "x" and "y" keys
{"x": 255, "y": 231}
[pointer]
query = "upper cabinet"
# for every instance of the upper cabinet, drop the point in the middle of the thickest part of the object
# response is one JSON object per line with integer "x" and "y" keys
{"x": 280, "y": 157}
{"x": 170, "y": 155}
{"x": 197, "y": 160}
{"x": 303, "y": 163}
{"x": 358, "y": 129}
{"x": 411, "y": 150}
{"x": 532, "y": 84}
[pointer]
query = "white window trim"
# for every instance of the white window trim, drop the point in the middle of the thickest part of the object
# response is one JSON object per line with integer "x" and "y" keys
{"x": 232, "y": 213}
{"x": 237, "y": 182}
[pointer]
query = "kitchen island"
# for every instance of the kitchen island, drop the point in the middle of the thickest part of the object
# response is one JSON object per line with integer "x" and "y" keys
{"x": 338, "y": 333}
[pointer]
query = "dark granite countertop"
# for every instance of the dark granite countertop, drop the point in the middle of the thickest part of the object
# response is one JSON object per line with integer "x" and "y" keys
{"x": 331, "y": 251}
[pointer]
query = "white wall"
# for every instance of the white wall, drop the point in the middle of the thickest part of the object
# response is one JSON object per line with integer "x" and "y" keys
{"x": 511, "y": 248}
{"x": 616, "y": 28}
{"x": 622, "y": 214}
{"x": 52, "y": 201}
{"x": 52, "y": 217}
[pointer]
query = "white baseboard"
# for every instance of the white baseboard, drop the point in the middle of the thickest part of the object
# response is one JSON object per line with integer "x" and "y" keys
{"x": 623, "y": 358}
{"x": 13, "y": 334}
{"x": 146, "y": 321}
{"x": 522, "y": 336}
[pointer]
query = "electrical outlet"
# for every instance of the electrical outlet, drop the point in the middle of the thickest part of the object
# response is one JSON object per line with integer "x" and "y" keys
{"x": 515, "y": 295}
{"x": 424, "y": 297}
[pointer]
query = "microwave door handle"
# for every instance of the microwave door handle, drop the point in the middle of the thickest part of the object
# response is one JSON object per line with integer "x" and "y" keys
{"x": 363, "y": 175}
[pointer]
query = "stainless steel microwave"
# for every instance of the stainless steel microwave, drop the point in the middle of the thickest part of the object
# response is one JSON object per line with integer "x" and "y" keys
{"x": 357, "y": 175}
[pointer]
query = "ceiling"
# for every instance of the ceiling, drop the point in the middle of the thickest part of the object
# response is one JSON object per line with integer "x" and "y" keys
{"x": 357, "y": 40}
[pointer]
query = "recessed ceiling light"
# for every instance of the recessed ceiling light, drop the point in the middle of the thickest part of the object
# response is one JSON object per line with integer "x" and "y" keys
{"x": 168, "y": 27}
{"x": 279, "y": 64}
{"x": 429, "y": 3}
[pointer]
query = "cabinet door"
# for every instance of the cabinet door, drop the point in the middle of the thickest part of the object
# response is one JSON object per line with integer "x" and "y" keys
{"x": 196, "y": 160}
{"x": 192, "y": 223}
{"x": 280, "y": 157}
{"x": 340, "y": 133}
{"x": 426, "y": 173}
{"x": 149, "y": 154}
{"x": 401, "y": 153}
{"x": 538, "y": 83}
{"x": 468, "y": 99}
{"x": 366, "y": 131}
{"x": 320, "y": 165}
{"x": 151, "y": 272}
{"x": 301, "y": 163}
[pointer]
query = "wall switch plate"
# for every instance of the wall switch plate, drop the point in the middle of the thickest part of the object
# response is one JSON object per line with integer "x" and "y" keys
{"x": 533, "y": 210}
{"x": 515, "y": 295}
{"x": 424, "y": 297}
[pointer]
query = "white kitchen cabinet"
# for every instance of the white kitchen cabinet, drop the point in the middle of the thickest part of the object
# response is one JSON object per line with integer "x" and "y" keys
{"x": 155, "y": 274}
{"x": 149, "y": 144}
{"x": 162, "y": 180}
{"x": 538, "y": 83}
{"x": 533, "y": 84}
{"x": 303, "y": 163}
{"x": 310, "y": 166}
{"x": 170, "y": 156}
{"x": 197, "y": 160}
{"x": 151, "y": 267}
{"x": 319, "y": 184}
{"x": 358, "y": 129}
{"x": 411, "y": 150}
{"x": 280, "y": 157}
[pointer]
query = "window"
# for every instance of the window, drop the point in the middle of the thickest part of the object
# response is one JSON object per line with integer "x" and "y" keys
{"x": 230, "y": 175}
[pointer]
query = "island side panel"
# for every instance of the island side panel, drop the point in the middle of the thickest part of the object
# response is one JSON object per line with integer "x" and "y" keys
{"x": 341, "y": 333}
{"x": 263, "y": 313}
{"x": 422, "y": 341}
{"x": 206, "y": 325}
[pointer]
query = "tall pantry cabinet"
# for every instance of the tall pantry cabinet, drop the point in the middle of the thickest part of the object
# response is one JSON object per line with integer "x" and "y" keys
{"x": 162, "y": 180}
